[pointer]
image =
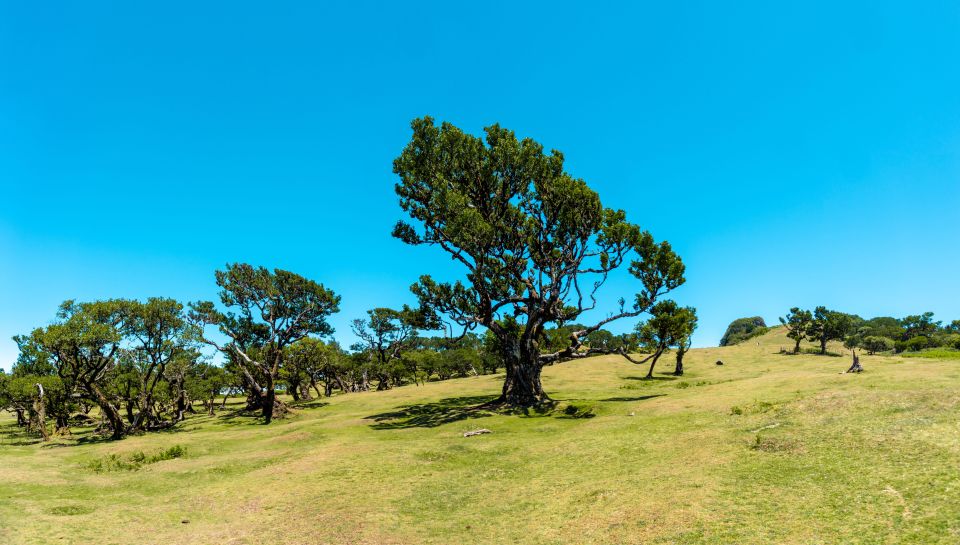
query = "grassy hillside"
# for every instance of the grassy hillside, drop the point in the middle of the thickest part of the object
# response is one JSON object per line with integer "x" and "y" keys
{"x": 767, "y": 448}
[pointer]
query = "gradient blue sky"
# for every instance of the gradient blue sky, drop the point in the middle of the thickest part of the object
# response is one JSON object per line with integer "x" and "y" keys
{"x": 796, "y": 153}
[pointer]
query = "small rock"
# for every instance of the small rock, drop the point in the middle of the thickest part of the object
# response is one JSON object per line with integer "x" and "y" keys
{"x": 632, "y": 414}
{"x": 476, "y": 432}
{"x": 719, "y": 362}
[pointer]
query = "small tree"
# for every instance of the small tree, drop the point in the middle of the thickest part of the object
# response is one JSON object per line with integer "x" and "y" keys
{"x": 309, "y": 361}
{"x": 270, "y": 311}
{"x": 536, "y": 243}
{"x": 798, "y": 323}
{"x": 669, "y": 325}
{"x": 205, "y": 382}
{"x": 829, "y": 325}
{"x": 384, "y": 336}
{"x": 686, "y": 325}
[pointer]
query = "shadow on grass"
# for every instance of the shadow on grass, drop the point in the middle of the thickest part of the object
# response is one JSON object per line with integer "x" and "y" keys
{"x": 313, "y": 404}
{"x": 431, "y": 415}
{"x": 810, "y": 352}
{"x": 635, "y": 398}
{"x": 661, "y": 377}
{"x": 92, "y": 438}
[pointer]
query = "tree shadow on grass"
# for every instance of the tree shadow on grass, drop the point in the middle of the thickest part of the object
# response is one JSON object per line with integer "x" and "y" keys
{"x": 662, "y": 377}
{"x": 313, "y": 404}
{"x": 636, "y": 398}
{"x": 431, "y": 415}
{"x": 94, "y": 438}
{"x": 241, "y": 417}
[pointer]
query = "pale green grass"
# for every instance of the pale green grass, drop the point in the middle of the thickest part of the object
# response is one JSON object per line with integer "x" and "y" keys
{"x": 936, "y": 354}
{"x": 764, "y": 449}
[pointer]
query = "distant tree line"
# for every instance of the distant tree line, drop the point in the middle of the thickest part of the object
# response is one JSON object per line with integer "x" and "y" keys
{"x": 882, "y": 334}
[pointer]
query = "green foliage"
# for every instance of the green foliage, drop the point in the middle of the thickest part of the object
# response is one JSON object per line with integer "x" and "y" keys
{"x": 916, "y": 344}
{"x": 882, "y": 326}
{"x": 912, "y": 333}
{"x": 874, "y": 344}
{"x": 135, "y": 460}
{"x": 938, "y": 354}
{"x": 742, "y": 329}
{"x": 830, "y": 325}
{"x": 919, "y": 325}
{"x": 384, "y": 337}
{"x": 309, "y": 361}
{"x": 527, "y": 233}
{"x": 266, "y": 312}
{"x": 668, "y": 326}
{"x": 797, "y": 323}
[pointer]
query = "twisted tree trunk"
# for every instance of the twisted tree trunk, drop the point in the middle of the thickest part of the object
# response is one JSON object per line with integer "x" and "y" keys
{"x": 653, "y": 362}
{"x": 522, "y": 386}
{"x": 678, "y": 370}
{"x": 39, "y": 407}
{"x": 21, "y": 420}
{"x": 108, "y": 410}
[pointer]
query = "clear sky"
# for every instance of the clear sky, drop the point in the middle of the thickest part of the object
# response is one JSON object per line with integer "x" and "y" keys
{"x": 795, "y": 153}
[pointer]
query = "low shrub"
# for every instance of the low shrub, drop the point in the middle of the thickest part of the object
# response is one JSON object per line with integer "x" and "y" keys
{"x": 134, "y": 461}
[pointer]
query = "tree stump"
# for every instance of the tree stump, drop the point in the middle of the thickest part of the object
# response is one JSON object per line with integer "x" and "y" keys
{"x": 855, "y": 366}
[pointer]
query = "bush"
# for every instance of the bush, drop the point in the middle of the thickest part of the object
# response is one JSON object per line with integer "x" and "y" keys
{"x": 951, "y": 340}
{"x": 916, "y": 344}
{"x": 742, "y": 329}
{"x": 874, "y": 344}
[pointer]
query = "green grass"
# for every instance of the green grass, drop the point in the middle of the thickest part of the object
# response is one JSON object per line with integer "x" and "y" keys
{"x": 935, "y": 354}
{"x": 134, "y": 461}
{"x": 767, "y": 448}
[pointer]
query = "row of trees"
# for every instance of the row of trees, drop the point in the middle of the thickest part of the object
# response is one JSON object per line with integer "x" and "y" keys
{"x": 142, "y": 364}
{"x": 536, "y": 246}
{"x": 881, "y": 334}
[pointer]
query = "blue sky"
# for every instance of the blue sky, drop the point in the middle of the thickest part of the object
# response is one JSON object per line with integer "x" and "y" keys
{"x": 797, "y": 153}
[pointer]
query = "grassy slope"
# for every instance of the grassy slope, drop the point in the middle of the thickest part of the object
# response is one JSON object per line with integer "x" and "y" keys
{"x": 838, "y": 459}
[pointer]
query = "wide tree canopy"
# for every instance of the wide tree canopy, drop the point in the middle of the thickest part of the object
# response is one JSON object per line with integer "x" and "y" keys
{"x": 536, "y": 244}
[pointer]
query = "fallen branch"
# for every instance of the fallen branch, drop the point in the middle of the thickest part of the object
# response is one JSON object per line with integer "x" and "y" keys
{"x": 476, "y": 432}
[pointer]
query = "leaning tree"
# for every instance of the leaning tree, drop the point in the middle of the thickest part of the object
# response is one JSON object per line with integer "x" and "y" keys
{"x": 685, "y": 324}
{"x": 669, "y": 325}
{"x": 268, "y": 311}
{"x": 798, "y": 323}
{"x": 536, "y": 243}
{"x": 83, "y": 345}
